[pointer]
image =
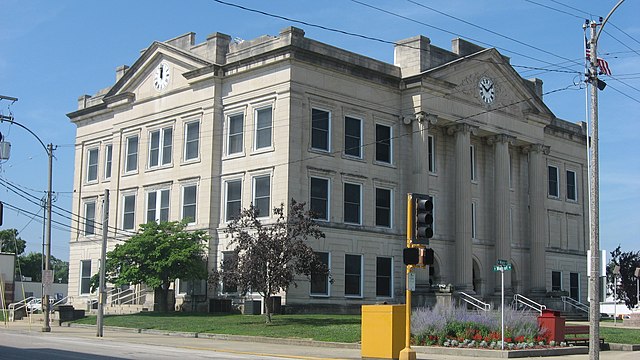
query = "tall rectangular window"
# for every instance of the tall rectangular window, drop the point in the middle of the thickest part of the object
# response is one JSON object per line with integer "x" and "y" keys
{"x": 352, "y": 137}
{"x": 383, "y": 277}
{"x": 160, "y": 147}
{"x": 264, "y": 123}
{"x": 192, "y": 140}
{"x": 556, "y": 281}
{"x": 554, "y": 189}
{"x": 320, "y": 129}
{"x": 131, "y": 156}
{"x": 158, "y": 206}
{"x": 262, "y": 195}
{"x": 90, "y": 218}
{"x": 352, "y": 203}
{"x": 92, "y": 165}
{"x": 473, "y": 221}
{"x": 571, "y": 186}
{"x": 472, "y": 153}
{"x": 383, "y": 207}
{"x": 235, "y": 138}
{"x": 432, "y": 154}
{"x": 189, "y": 202}
{"x": 85, "y": 277}
{"x": 320, "y": 198}
{"x": 108, "y": 159}
{"x": 320, "y": 283}
{"x": 229, "y": 260}
{"x": 353, "y": 275}
{"x": 574, "y": 286}
{"x": 234, "y": 199}
{"x": 129, "y": 212}
{"x": 383, "y": 143}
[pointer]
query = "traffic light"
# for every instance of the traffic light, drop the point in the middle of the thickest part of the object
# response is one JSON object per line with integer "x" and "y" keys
{"x": 423, "y": 219}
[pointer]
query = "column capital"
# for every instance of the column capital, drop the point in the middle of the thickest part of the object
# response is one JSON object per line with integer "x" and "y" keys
{"x": 462, "y": 127}
{"x": 501, "y": 138}
{"x": 536, "y": 148}
{"x": 420, "y": 117}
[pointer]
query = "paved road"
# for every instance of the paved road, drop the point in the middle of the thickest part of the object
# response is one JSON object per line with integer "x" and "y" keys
{"x": 23, "y": 341}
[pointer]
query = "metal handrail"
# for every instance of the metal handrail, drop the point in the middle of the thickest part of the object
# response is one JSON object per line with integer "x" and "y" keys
{"x": 474, "y": 302}
{"x": 529, "y": 303}
{"x": 130, "y": 296}
{"x": 19, "y": 305}
{"x": 574, "y": 303}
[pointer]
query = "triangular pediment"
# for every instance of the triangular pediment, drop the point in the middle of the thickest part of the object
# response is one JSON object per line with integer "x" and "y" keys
{"x": 139, "y": 81}
{"x": 484, "y": 83}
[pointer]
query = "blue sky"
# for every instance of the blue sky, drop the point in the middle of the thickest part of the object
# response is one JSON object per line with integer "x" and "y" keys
{"x": 51, "y": 52}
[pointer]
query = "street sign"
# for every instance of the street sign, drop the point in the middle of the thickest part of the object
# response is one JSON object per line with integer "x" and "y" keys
{"x": 412, "y": 281}
{"x": 505, "y": 267}
{"x": 502, "y": 262}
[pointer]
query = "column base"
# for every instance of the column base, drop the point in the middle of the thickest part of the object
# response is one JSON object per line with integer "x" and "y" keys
{"x": 407, "y": 354}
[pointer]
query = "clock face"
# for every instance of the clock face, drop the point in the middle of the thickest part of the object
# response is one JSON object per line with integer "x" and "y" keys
{"x": 161, "y": 78}
{"x": 486, "y": 90}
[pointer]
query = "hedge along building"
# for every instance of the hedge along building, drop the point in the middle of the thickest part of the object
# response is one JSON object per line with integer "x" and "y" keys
{"x": 200, "y": 130}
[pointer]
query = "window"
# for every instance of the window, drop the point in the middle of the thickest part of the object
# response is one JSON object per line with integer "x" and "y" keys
{"x": 92, "y": 165}
{"x": 554, "y": 190}
{"x": 192, "y": 140}
{"x": 108, "y": 158}
{"x": 189, "y": 200}
{"x": 229, "y": 260}
{"x": 263, "y": 128}
{"x": 556, "y": 281}
{"x": 320, "y": 198}
{"x": 320, "y": 283}
{"x": 90, "y": 218}
{"x": 352, "y": 137}
{"x": 262, "y": 195}
{"x": 85, "y": 276}
{"x": 432, "y": 154}
{"x": 383, "y": 207}
{"x": 234, "y": 199}
{"x": 236, "y": 127}
{"x": 192, "y": 287}
{"x": 320, "y": 130}
{"x": 571, "y": 186}
{"x": 352, "y": 201}
{"x": 472, "y": 152}
{"x": 129, "y": 212}
{"x": 473, "y": 220}
{"x": 353, "y": 275}
{"x": 131, "y": 159}
{"x": 574, "y": 286}
{"x": 383, "y": 143}
{"x": 383, "y": 277}
{"x": 158, "y": 206}
{"x": 160, "y": 145}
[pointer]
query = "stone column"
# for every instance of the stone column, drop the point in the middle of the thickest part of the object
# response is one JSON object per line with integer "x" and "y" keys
{"x": 537, "y": 217}
{"x": 420, "y": 140}
{"x": 502, "y": 204}
{"x": 463, "y": 259}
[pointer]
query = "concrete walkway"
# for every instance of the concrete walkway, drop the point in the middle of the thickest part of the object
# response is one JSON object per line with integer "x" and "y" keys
{"x": 284, "y": 348}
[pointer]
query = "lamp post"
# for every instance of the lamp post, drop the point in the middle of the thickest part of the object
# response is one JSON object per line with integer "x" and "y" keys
{"x": 47, "y": 276}
{"x": 616, "y": 272}
{"x": 637, "y": 274}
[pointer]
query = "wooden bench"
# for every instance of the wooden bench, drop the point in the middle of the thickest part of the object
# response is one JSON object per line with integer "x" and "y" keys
{"x": 576, "y": 330}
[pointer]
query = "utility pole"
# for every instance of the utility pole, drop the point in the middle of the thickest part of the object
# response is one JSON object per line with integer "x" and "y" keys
{"x": 594, "y": 192}
{"x": 46, "y": 327}
{"x": 103, "y": 261}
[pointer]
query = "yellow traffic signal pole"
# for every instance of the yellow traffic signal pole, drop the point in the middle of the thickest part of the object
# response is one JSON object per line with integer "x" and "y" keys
{"x": 407, "y": 353}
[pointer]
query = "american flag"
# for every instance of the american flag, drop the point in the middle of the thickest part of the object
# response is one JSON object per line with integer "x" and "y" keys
{"x": 603, "y": 65}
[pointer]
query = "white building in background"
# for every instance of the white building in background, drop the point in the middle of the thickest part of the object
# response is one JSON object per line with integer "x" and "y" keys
{"x": 200, "y": 130}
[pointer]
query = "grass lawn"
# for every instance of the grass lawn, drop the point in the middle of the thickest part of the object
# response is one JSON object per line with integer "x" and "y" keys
{"x": 620, "y": 335}
{"x": 339, "y": 328}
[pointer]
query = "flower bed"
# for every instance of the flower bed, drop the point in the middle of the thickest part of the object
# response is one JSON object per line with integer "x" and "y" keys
{"x": 451, "y": 326}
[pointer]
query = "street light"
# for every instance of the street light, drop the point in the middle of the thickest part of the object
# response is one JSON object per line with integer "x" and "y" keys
{"x": 46, "y": 327}
{"x": 616, "y": 272}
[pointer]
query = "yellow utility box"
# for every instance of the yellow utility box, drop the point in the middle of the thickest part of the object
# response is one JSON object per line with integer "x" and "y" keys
{"x": 383, "y": 331}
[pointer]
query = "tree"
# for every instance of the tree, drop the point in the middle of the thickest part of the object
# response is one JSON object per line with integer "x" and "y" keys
{"x": 269, "y": 256}
{"x": 157, "y": 255}
{"x": 31, "y": 266}
{"x": 628, "y": 262}
{"x": 11, "y": 243}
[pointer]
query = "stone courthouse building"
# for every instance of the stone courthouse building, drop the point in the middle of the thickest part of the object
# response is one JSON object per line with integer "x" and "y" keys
{"x": 200, "y": 130}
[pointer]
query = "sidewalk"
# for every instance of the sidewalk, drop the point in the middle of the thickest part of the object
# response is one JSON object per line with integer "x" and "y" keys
{"x": 285, "y": 348}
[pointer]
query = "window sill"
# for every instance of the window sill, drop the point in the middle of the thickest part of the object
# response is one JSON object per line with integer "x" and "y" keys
{"x": 156, "y": 168}
{"x": 92, "y": 182}
{"x": 324, "y": 296}
{"x": 262, "y": 151}
{"x": 130, "y": 173}
{"x": 320, "y": 151}
{"x": 233, "y": 156}
{"x": 353, "y": 158}
{"x": 385, "y": 164}
{"x": 190, "y": 161}
{"x": 355, "y": 297}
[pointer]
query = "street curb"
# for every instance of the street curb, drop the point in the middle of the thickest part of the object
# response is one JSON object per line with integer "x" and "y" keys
{"x": 507, "y": 354}
{"x": 624, "y": 347}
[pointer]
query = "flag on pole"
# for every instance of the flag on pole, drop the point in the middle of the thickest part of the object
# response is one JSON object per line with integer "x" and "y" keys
{"x": 603, "y": 65}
